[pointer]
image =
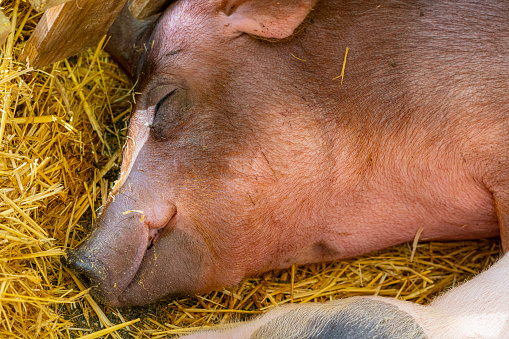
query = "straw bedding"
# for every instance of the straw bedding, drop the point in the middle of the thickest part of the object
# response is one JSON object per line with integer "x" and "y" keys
{"x": 61, "y": 136}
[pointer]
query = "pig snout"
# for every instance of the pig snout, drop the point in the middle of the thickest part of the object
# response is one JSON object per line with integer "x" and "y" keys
{"x": 141, "y": 248}
{"x": 86, "y": 265}
{"x": 110, "y": 258}
{"x": 96, "y": 260}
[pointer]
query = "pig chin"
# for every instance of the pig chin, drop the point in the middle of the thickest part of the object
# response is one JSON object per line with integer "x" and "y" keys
{"x": 171, "y": 267}
{"x": 119, "y": 282}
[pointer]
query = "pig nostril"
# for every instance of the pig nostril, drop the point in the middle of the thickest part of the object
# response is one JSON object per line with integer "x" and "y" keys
{"x": 89, "y": 270}
{"x": 85, "y": 279}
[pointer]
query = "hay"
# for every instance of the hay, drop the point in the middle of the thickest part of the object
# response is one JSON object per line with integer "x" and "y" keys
{"x": 61, "y": 135}
{"x": 54, "y": 151}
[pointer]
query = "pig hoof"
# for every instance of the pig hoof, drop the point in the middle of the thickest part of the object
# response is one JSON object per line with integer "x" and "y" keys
{"x": 353, "y": 318}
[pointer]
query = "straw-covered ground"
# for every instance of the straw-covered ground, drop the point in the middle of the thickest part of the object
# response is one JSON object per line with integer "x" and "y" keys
{"x": 61, "y": 135}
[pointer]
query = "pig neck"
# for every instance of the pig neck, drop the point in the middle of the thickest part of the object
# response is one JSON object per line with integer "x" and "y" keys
{"x": 391, "y": 146}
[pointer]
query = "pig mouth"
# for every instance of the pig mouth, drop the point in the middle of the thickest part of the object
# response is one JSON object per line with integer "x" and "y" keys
{"x": 154, "y": 235}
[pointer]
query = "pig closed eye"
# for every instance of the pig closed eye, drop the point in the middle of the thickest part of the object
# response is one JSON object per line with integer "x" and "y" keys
{"x": 170, "y": 115}
{"x": 158, "y": 105}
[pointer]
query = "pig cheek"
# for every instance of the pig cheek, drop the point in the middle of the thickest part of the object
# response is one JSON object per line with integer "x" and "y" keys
{"x": 172, "y": 267}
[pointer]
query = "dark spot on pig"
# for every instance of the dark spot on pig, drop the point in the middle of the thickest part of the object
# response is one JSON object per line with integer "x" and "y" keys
{"x": 421, "y": 13}
{"x": 324, "y": 250}
{"x": 356, "y": 318}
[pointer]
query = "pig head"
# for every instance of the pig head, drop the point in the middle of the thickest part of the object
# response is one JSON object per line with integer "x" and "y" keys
{"x": 251, "y": 148}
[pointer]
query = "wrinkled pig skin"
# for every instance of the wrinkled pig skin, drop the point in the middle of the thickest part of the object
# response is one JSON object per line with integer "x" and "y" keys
{"x": 247, "y": 153}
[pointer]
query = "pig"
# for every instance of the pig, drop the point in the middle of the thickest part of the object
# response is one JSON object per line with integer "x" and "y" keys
{"x": 257, "y": 142}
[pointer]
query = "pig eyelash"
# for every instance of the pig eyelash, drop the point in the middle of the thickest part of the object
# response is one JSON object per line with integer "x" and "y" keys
{"x": 158, "y": 105}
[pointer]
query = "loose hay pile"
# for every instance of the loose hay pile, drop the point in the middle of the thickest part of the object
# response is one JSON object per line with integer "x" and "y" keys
{"x": 61, "y": 135}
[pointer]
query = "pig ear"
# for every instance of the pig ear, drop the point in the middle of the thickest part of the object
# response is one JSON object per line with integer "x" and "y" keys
{"x": 128, "y": 38}
{"x": 267, "y": 18}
